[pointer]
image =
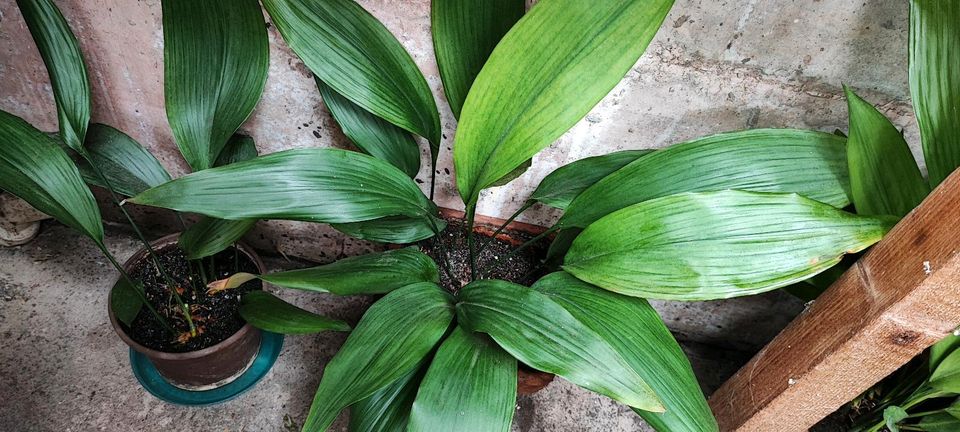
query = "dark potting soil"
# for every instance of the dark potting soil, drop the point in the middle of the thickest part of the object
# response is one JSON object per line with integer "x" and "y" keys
{"x": 216, "y": 317}
{"x": 522, "y": 268}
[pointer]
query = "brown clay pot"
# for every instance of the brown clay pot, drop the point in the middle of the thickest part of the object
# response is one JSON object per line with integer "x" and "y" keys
{"x": 210, "y": 367}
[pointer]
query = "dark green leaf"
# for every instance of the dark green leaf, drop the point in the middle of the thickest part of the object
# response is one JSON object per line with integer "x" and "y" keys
{"x": 35, "y": 168}
{"x": 210, "y": 236}
{"x": 635, "y": 331}
{"x": 239, "y": 148}
{"x": 561, "y": 186}
{"x": 946, "y": 377}
{"x": 512, "y": 175}
{"x": 392, "y": 338}
{"x": 68, "y": 73}
{"x": 934, "y": 74}
{"x": 471, "y": 386}
{"x": 353, "y": 53}
{"x": 215, "y": 58}
{"x": 541, "y": 333}
{"x": 387, "y": 410}
{"x": 954, "y": 409}
{"x": 714, "y": 245}
{"x": 371, "y": 134}
{"x": 464, "y": 35}
{"x": 940, "y": 422}
{"x": 556, "y": 63}
{"x": 313, "y": 185}
{"x": 374, "y": 273}
{"x": 268, "y": 312}
{"x": 125, "y": 301}
{"x": 392, "y": 229}
{"x": 892, "y": 415}
{"x": 559, "y": 246}
{"x": 884, "y": 178}
{"x": 128, "y": 166}
{"x": 813, "y": 164}
{"x": 942, "y": 349}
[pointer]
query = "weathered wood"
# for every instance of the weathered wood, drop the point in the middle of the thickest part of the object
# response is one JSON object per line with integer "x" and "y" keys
{"x": 900, "y": 298}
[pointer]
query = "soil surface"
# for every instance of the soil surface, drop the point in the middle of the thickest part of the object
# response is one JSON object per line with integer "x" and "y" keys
{"x": 216, "y": 317}
{"x": 522, "y": 268}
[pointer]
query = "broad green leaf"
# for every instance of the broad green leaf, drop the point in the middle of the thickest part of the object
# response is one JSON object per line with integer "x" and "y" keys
{"x": 561, "y": 186}
{"x": 353, "y": 53}
{"x": 392, "y": 229}
{"x": 371, "y": 134}
{"x": 812, "y": 164}
{"x": 392, "y": 338}
{"x": 556, "y": 63}
{"x": 313, "y": 185}
{"x": 884, "y": 178}
{"x": 128, "y": 166}
{"x": 714, "y": 245}
{"x": 210, "y": 236}
{"x": 471, "y": 386}
{"x": 541, "y": 333}
{"x": 934, "y": 74}
{"x": 268, "y": 312}
{"x": 464, "y": 35}
{"x": 954, "y": 409}
{"x": 946, "y": 377}
{"x": 892, "y": 415}
{"x": 634, "y": 329}
{"x": 374, "y": 273}
{"x": 512, "y": 175}
{"x": 35, "y": 168}
{"x": 64, "y": 61}
{"x": 940, "y": 422}
{"x": 559, "y": 246}
{"x": 125, "y": 301}
{"x": 215, "y": 60}
{"x": 239, "y": 148}
{"x": 942, "y": 349}
{"x": 387, "y": 410}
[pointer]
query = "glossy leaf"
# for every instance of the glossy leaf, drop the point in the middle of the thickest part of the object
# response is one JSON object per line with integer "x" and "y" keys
{"x": 934, "y": 74}
{"x": 392, "y": 338}
{"x": 561, "y": 186}
{"x": 35, "y": 168}
{"x": 942, "y": 349}
{"x": 714, "y": 245}
{"x": 125, "y": 302}
{"x": 239, "y": 148}
{"x": 392, "y": 229}
{"x": 313, "y": 185}
{"x": 513, "y": 175}
{"x": 464, "y": 35}
{"x": 535, "y": 87}
{"x": 634, "y": 329}
{"x": 128, "y": 166}
{"x": 215, "y": 59}
{"x": 210, "y": 236}
{"x": 268, "y": 312}
{"x": 374, "y": 273}
{"x": 813, "y": 164}
{"x": 884, "y": 178}
{"x": 940, "y": 422}
{"x": 353, "y": 53}
{"x": 471, "y": 386}
{"x": 64, "y": 61}
{"x": 387, "y": 410}
{"x": 892, "y": 415}
{"x": 541, "y": 333}
{"x": 371, "y": 134}
{"x": 946, "y": 377}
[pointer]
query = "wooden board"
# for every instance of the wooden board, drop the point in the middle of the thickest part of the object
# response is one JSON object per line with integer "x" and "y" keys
{"x": 900, "y": 298}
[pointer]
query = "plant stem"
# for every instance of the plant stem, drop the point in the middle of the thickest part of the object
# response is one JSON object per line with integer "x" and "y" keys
{"x": 499, "y": 230}
{"x": 203, "y": 272}
{"x": 471, "y": 214}
{"x": 443, "y": 249}
{"x": 523, "y": 246}
{"x": 136, "y": 288}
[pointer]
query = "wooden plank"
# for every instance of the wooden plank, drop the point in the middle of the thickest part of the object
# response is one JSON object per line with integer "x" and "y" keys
{"x": 900, "y": 298}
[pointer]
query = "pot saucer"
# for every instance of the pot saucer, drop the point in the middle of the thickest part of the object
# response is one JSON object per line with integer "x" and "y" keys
{"x": 155, "y": 384}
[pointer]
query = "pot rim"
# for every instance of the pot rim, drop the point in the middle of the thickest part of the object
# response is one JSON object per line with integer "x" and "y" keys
{"x": 138, "y": 256}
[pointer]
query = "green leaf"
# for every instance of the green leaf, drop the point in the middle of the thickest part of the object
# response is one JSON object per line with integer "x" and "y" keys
{"x": 471, "y": 386}
{"x": 128, "y": 166}
{"x": 392, "y": 338}
{"x": 125, "y": 301}
{"x": 714, "y": 245}
{"x": 215, "y": 61}
{"x": 533, "y": 87}
{"x": 392, "y": 229}
{"x": 954, "y": 409}
{"x": 934, "y": 74}
{"x": 353, "y": 53}
{"x": 812, "y": 164}
{"x": 239, "y": 148}
{"x": 374, "y": 273}
{"x": 464, "y": 35}
{"x": 371, "y": 134}
{"x": 946, "y": 377}
{"x": 541, "y": 333}
{"x": 388, "y": 410}
{"x": 892, "y": 415}
{"x": 313, "y": 185}
{"x": 35, "y": 168}
{"x": 68, "y": 74}
{"x": 268, "y": 312}
{"x": 512, "y": 175}
{"x": 633, "y": 328}
{"x": 942, "y": 349}
{"x": 561, "y": 186}
{"x": 210, "y": 236}
{"x": 884, "y": 178}
{"x": 940, "y": 422}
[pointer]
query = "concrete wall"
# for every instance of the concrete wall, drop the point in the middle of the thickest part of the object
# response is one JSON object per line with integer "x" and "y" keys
{"x": 714, "y": 66}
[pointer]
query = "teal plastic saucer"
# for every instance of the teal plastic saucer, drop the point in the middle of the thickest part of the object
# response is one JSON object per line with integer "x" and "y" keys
{"x": 155, "y": 384}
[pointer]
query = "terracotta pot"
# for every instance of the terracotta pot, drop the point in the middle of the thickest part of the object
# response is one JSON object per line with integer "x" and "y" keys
{"x": 210, "y": 367}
